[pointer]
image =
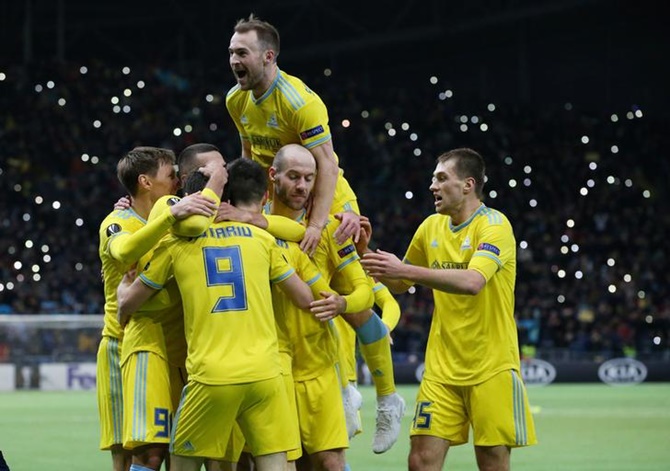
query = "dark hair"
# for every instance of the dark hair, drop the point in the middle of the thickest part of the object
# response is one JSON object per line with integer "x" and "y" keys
{"x": 141, "y": 161}
{"x": 187, "y": 161}
{"x": 469, "y": 164}
{"x": 196, "y": 181}
{"x": 267, "y": 34}
{"x": 247, "y": 182}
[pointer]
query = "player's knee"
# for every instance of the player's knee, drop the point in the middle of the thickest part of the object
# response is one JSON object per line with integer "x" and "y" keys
{"x": 421, "y": 459}
{"x": 332, "y": 462}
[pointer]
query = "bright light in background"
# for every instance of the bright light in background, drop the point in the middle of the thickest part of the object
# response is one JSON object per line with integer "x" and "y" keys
{"x": 97, "y": 123}
{"x": 391, "y": 132}
{"x": 614, "y": 149}
{"x": 83, "y": 70}
{"x": 409, "y": 195}
{"x": 327, "y": 72}
{"x": 508, "y": 160}
{"x": 127, "y": 92}
{"x": 126, "y": 70}
{"x": 614, "y": 118}
{"x": 365, "y": 114}
{"x": 412, "y": 290}
{"x": 560, "y": 298}
{"x": 404, "y": 126}
{"x": 646, "y": 194}
{"x": 491, "y": 107}
{"x": 433, "y": 80}
{"x": 533, "y": 203}
{"x": 213, "y": 127}
{"x": 209, "y": 98}
{"x": 527, "y": 169}
{"x": 611, "y": 289}
{"x": 2, "y": 76}
{"x": 512, "y": 183}
{"x": 565, "y": 239}
{"x": 417, "y": 152}
{"x": 176, "y": 132}
{"x": 50, "y": 84}
{"x": 523, "y": 244}
{"x": 39, "y": 200}
{"x": 79, "y": 222}
{"x": 590, "y": 183}
{"x": 55, "y": 205}
{"x": 61, "y": 102}
{"x": 583, "y": 191}
{"x": 464, "y": 127}
{"x": 448, "y": 93}
{"x": 611, "y": 262}
{"x": 585, "y": 139}
{"x": 593, "y": 166}
{"x": 413, "y": 137}
{"x": 29, "y": 244}
{"x": 627, "y": 278}
{"x": 493, "y": 194}
{"x": 140, "y": 84}
{"x": 561, "y": 273}
{"x": 346, "y": 123}
{"x": 38, "y": 88}
{"x": 484, "y": 127}
{"x": 579, "y": 275}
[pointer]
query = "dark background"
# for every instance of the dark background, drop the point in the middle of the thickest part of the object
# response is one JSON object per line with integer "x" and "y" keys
{"x": 590, "y": 51}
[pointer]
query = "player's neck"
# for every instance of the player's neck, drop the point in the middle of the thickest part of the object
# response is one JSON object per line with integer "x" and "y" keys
{"x": 250, "y": 207}
{"x": 142, "y": 205}
{"x": 280, "y": 209}
{"x": 266, "y": 83}
{"x": 464, "y": 213}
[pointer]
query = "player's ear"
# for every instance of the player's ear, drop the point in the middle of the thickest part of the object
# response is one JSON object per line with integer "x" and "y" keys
{"x": 143, "y": 181}
{"x": 271, "y": 174}
{"x": 469, "y": 185}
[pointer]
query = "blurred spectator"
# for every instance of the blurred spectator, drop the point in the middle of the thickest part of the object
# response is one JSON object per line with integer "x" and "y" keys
{"x": 583, "y": 189}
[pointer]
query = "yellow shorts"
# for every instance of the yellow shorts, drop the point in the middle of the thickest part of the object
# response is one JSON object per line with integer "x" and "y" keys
{"x": 291, "y": 455}
{"x": 206, "y": 417}
{"x": 346, "y": 345}
{"x": 110, "y": 392}
{"x": 149, "y": 383}
{"x": 321, "y": 413}
{"x": 497, "y": 410}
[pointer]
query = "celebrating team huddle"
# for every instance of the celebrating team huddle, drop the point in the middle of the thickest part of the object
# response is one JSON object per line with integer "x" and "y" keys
{"x": 232, "y": 314}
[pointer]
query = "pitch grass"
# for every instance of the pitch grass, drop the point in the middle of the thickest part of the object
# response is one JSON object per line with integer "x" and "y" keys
{"x": 580, "y": 427}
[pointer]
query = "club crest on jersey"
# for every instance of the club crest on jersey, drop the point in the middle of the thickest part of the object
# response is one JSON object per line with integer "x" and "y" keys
{"x": 173, "y": 200}
{"x": 343, "y": 252}
{"x": 272, "y": 122}
{"x": 433, "y": 244}
{"x": 312, "y": 132}
{"x": 489, "y": 248}
{"x": 113, "y": 229}
{"x": 466, "y": 245}
{"x": 244, "y": 119}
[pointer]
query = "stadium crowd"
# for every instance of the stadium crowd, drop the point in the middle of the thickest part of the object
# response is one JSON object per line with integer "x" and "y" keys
{"x": 582, "y": 188}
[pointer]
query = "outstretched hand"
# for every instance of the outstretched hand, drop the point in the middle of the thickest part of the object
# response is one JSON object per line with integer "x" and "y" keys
{"x": 364, "y": 236}
{"x": 329, "y": 307}
{"x": 124, "y": 203}
{"x": 228, "y": 212}
{"x": 193, "y": 204}
{"x": 310, "y": 240}
{"x": 350, "y": 226}
{"x": 383, "y": 264}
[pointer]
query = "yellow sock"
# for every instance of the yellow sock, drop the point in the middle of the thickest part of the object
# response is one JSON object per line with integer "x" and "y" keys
{"x": 377, "y": 355}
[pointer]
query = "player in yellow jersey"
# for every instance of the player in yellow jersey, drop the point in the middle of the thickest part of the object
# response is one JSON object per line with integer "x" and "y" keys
{"x": 233, "y": 362}
{"x": 147, "y": 173}
{"x": 271, "y": 108}
{"x": 293, "y": 173}
{"x": 154, "y": 348}
{"x": 467, "y": 254}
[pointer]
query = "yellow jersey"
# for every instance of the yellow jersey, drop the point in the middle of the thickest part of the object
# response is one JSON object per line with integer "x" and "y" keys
{"x": 289, "y": 112}
{"x": 311, "y": 343}
{"x": 224, "y": 278}
{"x": 471, "y": 338}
